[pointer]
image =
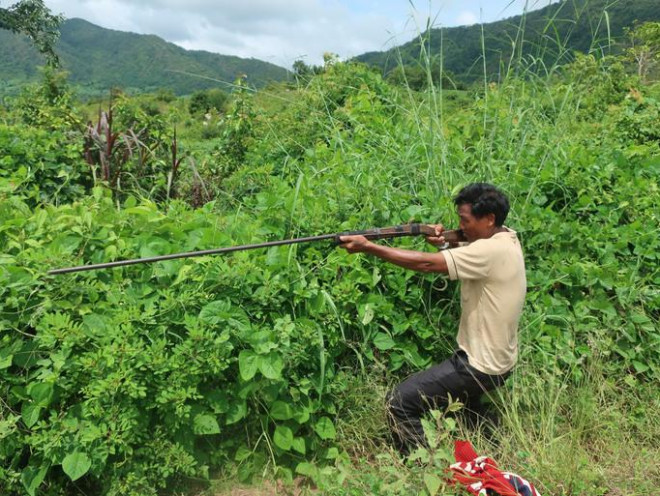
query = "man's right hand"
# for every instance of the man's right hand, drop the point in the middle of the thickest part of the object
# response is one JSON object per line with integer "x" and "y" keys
{"x": 438, "y": 240}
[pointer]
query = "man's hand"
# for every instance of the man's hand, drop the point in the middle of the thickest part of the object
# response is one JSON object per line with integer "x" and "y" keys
{"x": 438, "y": 240}
{"x": 354, "y": 244}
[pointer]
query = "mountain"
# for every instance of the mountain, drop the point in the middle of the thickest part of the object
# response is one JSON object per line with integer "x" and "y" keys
{"x": 98, "y": 59}
{"x": 549, "y": 34}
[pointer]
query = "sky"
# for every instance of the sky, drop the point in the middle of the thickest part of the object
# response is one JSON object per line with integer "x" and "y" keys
{"x": 283, "y": 31}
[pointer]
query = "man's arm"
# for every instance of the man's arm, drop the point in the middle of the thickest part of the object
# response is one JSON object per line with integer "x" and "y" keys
{"x": 408, "y": 259}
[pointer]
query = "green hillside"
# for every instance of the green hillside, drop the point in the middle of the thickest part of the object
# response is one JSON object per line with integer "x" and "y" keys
{"x": 98, "y": 59}
{"x": 550, "y": 34}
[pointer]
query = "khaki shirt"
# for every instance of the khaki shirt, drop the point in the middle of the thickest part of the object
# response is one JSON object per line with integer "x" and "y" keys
{"x": 493, "y": 286}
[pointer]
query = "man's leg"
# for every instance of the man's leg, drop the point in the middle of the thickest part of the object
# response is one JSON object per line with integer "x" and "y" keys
{"x": 476, "y": 410}
{"x": 431, "y": 388}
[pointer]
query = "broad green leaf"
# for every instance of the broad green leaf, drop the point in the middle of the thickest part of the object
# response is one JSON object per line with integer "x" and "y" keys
{"x": 32, "y": 477}
{"x": 42, "y": 393}
{"x": 285, "y": 475}
{"x": 325, "y": 429}
{"x": 301, "y": 415}
{"x": 215, "y": 312}
{"x": 275, "y": 256}
{"x": 205, "y": 424}
{"x": 236, "y": 412}
{"x": 271, "y": 366}
{"x": 316, "y": 303}
{"x": 218, "y": 401}
{"x": 262, "y": 341}
{"x": 299, "y": 445}
{"x": 639, "y": 318}
{"x": 367, "y": 313}
{"x": 148, "y": 209}
{"x": 432, "y": 483}
{"x": 412, "y": 212}
{"x": 154, "y": 247}
{"x": 243, "y": 453}
{"x": 384, "y": 342}
{"x": 332, "y": 453}
{"x": 30, "y": 414}
{"x": 5, "y": 360}
{"x": 222, "y": 312}
{"x": 283, "y": 437}
{"x": 640, "y": 367}
{"x": 248, "y": 364}
{"x": 130, "y": 202}
{"x": 76, "y": 464}
{"x": 27, "y": 357}
{"x": 307, "y": 469}
{"x": 281, "y": 411}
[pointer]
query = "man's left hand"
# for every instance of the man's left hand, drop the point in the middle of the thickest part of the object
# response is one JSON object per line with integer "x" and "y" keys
{"x": 354, "y": 244}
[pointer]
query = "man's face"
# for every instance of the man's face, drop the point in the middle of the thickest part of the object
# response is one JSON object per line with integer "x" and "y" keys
{"x": 473, "y": 227}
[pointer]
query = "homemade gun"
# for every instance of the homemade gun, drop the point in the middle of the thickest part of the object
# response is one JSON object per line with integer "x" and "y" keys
{"x": 453, "y": 236}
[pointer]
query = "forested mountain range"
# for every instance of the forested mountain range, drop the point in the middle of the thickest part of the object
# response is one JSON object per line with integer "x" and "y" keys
{"x": 98, "y": 59}
{"x": 550, "y": 34}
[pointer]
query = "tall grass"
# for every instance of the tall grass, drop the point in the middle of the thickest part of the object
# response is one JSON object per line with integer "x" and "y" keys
{"x": 592, "y": 438}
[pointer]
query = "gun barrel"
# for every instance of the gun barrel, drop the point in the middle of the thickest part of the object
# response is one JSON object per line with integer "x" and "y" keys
{"x": 215, "y": 251}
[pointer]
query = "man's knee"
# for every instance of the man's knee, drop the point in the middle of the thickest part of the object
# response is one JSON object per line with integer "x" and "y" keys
{"x": 394, "y": 403}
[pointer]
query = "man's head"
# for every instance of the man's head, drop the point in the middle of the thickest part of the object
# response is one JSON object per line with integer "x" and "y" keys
{"x": 482, "y": 209}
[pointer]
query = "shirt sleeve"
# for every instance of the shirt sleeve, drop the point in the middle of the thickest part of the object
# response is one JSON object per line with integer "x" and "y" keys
{"x": 470, "y": 262}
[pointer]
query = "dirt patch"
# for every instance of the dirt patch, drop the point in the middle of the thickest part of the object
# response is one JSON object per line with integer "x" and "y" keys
{"x": 297, "y": 488}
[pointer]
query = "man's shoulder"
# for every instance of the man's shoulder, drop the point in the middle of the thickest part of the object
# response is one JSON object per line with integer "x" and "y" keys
{"x": 505, "y": 239}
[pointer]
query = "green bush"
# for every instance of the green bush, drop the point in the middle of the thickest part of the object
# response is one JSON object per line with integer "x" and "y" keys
{"x": 204, "y": 101}
{"x": 42, "y": 166}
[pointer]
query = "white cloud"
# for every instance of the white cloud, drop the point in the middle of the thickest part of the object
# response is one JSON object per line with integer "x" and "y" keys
{"x": 466, "y": 18}
{"x": 278, "y": 31}
{"x": 281, "y": 31}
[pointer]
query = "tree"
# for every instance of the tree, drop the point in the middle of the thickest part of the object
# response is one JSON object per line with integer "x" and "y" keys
{"x": 645, "y": 47}
{"x": 204, "y": 101}
{"x": 34, "y": 19}
{"x": 304, "y": 72}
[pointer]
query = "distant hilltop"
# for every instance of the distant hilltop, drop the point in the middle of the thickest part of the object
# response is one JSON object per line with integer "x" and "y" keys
{"x": 550, "y": 34}
{"x": 98, "y": 59}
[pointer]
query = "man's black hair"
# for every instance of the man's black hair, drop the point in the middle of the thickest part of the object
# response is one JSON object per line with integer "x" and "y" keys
{"x": 485, "y": 199}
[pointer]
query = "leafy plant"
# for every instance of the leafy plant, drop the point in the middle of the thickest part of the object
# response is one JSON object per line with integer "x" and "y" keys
{"x": 142, "y": 159}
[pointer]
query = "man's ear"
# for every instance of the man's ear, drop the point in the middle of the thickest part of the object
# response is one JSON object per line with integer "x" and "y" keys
{"x": 491, "y": 219}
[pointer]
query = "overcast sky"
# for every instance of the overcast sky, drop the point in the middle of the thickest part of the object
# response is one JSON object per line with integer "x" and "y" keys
{"x": 282, "y": 31}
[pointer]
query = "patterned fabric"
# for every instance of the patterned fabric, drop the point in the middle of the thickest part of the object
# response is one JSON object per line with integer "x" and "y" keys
{"x": 481, "y": 477}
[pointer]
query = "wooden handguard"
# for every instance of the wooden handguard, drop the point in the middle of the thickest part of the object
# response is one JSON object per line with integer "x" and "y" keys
{"x": 452, "y": 236}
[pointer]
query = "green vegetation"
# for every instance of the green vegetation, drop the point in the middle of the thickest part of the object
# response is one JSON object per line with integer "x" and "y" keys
{"x": 177, "y": 377}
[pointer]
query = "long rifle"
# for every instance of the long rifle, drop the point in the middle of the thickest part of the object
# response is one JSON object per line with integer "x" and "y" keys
{"x": 454, "y": 236}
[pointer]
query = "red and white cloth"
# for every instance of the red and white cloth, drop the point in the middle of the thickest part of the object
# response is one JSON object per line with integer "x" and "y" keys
{"x": 481, "y": 477}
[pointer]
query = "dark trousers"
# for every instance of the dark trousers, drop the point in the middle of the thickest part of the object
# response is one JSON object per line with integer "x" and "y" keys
{"x": 431, "y": 389}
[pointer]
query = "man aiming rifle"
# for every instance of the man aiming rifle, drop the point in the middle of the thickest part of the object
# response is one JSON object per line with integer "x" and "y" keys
{"x": 493, "y": 285}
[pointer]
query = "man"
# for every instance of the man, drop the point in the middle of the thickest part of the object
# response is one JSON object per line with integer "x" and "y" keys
{"x": 492, "y": 274}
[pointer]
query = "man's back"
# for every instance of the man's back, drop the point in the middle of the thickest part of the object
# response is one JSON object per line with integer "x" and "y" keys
{"x": 493, "y": 286}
